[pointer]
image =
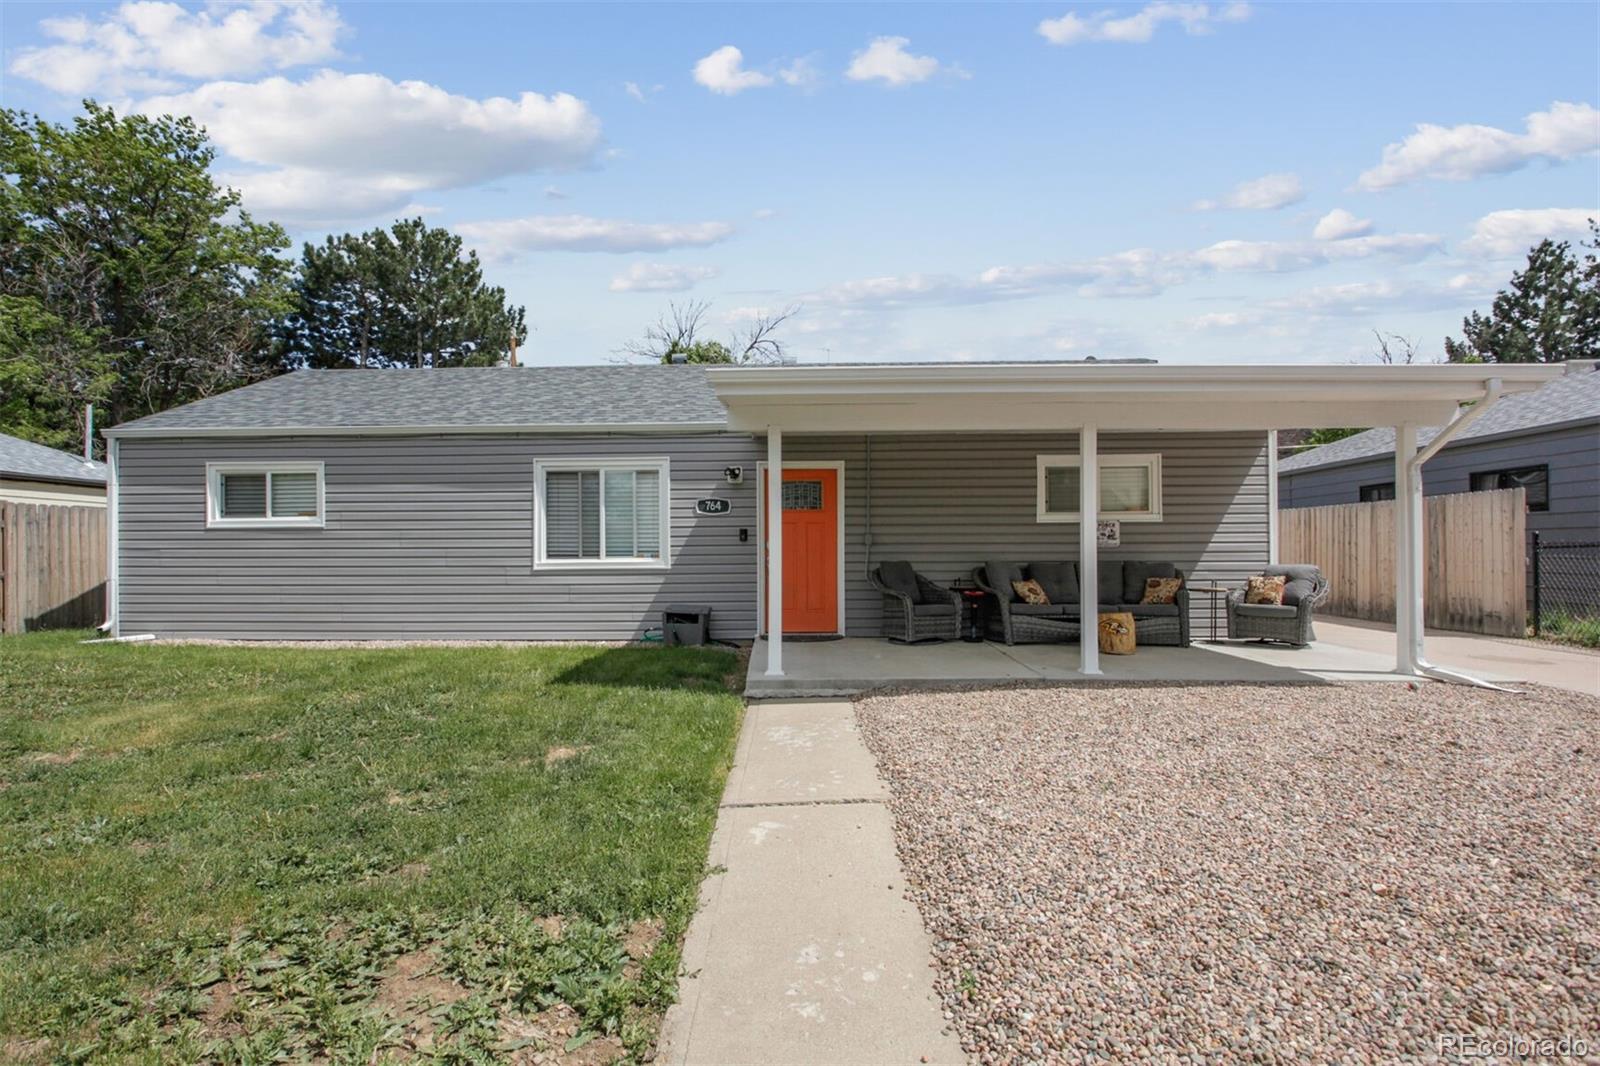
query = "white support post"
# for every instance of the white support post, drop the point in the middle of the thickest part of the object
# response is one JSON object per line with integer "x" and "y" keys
{"x": 774, "y": 552}
{"x": 1272, "y": 497}
{"x": 1088, "y": 551}
{"x": 1407, "y": 553}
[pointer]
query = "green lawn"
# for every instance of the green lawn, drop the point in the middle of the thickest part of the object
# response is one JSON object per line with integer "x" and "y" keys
{"x": 251, "y": 854}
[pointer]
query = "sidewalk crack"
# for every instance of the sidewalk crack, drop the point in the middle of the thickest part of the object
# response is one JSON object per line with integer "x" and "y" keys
{"x": 795, "y": 803}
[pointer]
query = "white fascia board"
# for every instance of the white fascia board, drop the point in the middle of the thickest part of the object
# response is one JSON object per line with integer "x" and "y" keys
{"x": 587, "y": 428}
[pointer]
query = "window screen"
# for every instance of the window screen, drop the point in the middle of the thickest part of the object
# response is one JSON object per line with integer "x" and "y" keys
{"x": 293, "y": 495}
{"x": 1383, "y": 490}
{"x": 1124, "y": 489}
{"x": 244, "y": 496}
{"x": 602, "y": 514}
{"x": 1533, "y": 480}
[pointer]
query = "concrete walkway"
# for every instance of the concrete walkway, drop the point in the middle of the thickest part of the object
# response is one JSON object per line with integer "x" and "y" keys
{"x": 804, "y": 949}
{"x": 1556, "y": 665}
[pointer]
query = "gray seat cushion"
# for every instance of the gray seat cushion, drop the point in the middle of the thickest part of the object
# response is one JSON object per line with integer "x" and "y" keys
{"x": 1001, "y": 575}
{"x": 1302, "y": 580}
{"x": 902, "y": 578}
{"x": 1266, "y": 610}
{"x": 1059, "y": 580}
{"x": 1135, "y": 574}
{"x": 1043, "y": 610}
{"x": 933, "y": 610}
{"x": 1152, "y": 610}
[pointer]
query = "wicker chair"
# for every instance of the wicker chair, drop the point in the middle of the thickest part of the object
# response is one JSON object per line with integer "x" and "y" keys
{"x": 1289, "y": 622}
{"x": 933, "y": 614}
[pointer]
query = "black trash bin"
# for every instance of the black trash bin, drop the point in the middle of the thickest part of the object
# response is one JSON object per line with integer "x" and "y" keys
{"x": 686, "y": 624}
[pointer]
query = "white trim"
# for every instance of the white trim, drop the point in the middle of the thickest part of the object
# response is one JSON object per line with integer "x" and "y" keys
{"x": 836, "y": 465}
{"x": 217, "y": 470}
{"x": 180, "y": 432}
{"x": 659, "y": 463}
{"x": 1272, "y": 497}
{"x": 1151, "y": 461}
{"x": 1089, "y": 554}
{"x": 113, "y": 539}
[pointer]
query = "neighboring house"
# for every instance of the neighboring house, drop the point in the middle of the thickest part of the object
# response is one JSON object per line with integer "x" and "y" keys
{"x": 1546, "y": 441}
{"x": 32, "y": 473}
{"x": 579, "y": 502}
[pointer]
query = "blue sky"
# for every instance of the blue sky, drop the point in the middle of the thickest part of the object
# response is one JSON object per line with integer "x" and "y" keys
{"x": 1187, "y": 181}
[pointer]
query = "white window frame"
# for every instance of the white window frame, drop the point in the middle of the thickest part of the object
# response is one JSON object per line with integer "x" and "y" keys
{"x": 216, "y": 520}
{"x": 659, "y": 463}
{"x": 1151, "y": 461}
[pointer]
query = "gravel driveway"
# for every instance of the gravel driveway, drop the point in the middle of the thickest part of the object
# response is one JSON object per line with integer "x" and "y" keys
{"x": 1257, "y": 872}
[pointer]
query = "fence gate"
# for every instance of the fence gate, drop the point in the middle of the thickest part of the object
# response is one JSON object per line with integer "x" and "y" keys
{"x": 52, "y": 566}
{"x": 1475, "y": 552}
{"x": 1566, "y": 590}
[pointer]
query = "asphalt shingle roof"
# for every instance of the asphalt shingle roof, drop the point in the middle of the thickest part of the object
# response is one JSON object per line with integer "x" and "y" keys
{"x": 25, "y": 459}
{"x": 1573, "y": 397}
{"x": 455, "y": 398}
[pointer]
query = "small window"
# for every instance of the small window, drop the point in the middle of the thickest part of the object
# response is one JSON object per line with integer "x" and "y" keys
{"x": 802, "y": 495}
{"x": 262, "y": 495}
{"x": 601, "y": 513}
{"x": 1533, "y": 480}
{"x": 1130, "y": 487}
{"x": 1383, "y": 490}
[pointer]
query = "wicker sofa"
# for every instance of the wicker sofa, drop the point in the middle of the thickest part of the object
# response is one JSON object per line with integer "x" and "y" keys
{"x": 1121, "y": 586}
{"x": 915, "y": 608}
{"x": 1288, "y": 622}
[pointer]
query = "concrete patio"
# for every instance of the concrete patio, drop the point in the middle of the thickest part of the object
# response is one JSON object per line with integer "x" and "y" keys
{"x": 856, "y": 664}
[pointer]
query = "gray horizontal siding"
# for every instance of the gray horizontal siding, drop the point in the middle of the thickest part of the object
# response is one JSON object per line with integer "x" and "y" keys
{"x": 432, "y": 537}
{"x": 947, "y": 503}
{"x": 426, "y": 537}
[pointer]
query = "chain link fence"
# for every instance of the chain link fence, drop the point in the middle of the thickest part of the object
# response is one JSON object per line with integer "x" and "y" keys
{"x": 1566, "y": 591}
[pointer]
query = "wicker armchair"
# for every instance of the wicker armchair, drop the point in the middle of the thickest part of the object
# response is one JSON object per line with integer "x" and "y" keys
{"x": 1289, "y": 622}
{"x": 933, "y": 614}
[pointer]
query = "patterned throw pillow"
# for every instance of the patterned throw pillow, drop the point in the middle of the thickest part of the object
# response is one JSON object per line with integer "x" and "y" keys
{"x": 1030, "y": 591}
{"x": 1265, "y": 589}
{"x": 1162, "y": 590}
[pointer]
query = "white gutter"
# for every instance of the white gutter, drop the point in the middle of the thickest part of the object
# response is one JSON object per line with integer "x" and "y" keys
{"x": 592, "y": 428}
{"x": 1493, "y": 389}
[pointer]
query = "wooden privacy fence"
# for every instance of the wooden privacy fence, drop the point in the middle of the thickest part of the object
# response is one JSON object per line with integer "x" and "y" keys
{"x": 52, "y": 566}
{"x": 1474, "y": 547}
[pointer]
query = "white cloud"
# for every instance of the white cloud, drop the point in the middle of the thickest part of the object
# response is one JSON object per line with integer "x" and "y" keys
{"x": 1140, "y": 27}
{"x": 149, "y": 46}
{"x": 723, "y": 72}
{"x": 1137, "y": 272}
{"x": 1509, "y": 234}
{"x": 1266, "y": 193}
{"x": 1457, "y": 153}
{"x": 661, "y": 277}
{"x": 633, "y": 90}
{"x": 337, "y": 145}
{"x": 887, "y": 60}
{"x": 764, "y": 212}
{"x": 1339, "y": 224}
{"x": 553, "y": 192}
{"x": 801, "y": 73}
{"x": 580, "y": 233}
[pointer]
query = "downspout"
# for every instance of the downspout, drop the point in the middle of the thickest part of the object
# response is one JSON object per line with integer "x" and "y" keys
{"x": 113, "y": 534}
{"x": 1492, "y": 391}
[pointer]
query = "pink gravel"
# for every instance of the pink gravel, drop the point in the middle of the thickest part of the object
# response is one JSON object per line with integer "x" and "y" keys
{"x": 1269, "y": 873}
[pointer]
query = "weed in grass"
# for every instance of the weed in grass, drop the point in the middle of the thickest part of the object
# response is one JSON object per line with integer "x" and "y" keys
{"x": 249, "y": 855}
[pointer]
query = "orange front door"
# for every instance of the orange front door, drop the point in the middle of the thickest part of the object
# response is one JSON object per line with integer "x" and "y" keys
{"x": 810, "y": 550}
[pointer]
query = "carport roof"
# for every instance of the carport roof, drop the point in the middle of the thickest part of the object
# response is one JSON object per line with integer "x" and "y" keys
{"x": 1142, "y": 396}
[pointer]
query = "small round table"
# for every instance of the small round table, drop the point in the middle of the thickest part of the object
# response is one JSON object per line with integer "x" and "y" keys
{"x": 1214, "y": 592}
{"x": 972, "y": 602}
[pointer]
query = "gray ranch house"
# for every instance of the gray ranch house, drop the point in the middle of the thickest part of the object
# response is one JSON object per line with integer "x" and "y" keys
{"x": 579, "y": 502}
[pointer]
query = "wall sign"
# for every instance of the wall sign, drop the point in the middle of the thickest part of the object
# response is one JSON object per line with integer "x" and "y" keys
{"x": 1109, "y": 533}
{"x": 712, "y": 505}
